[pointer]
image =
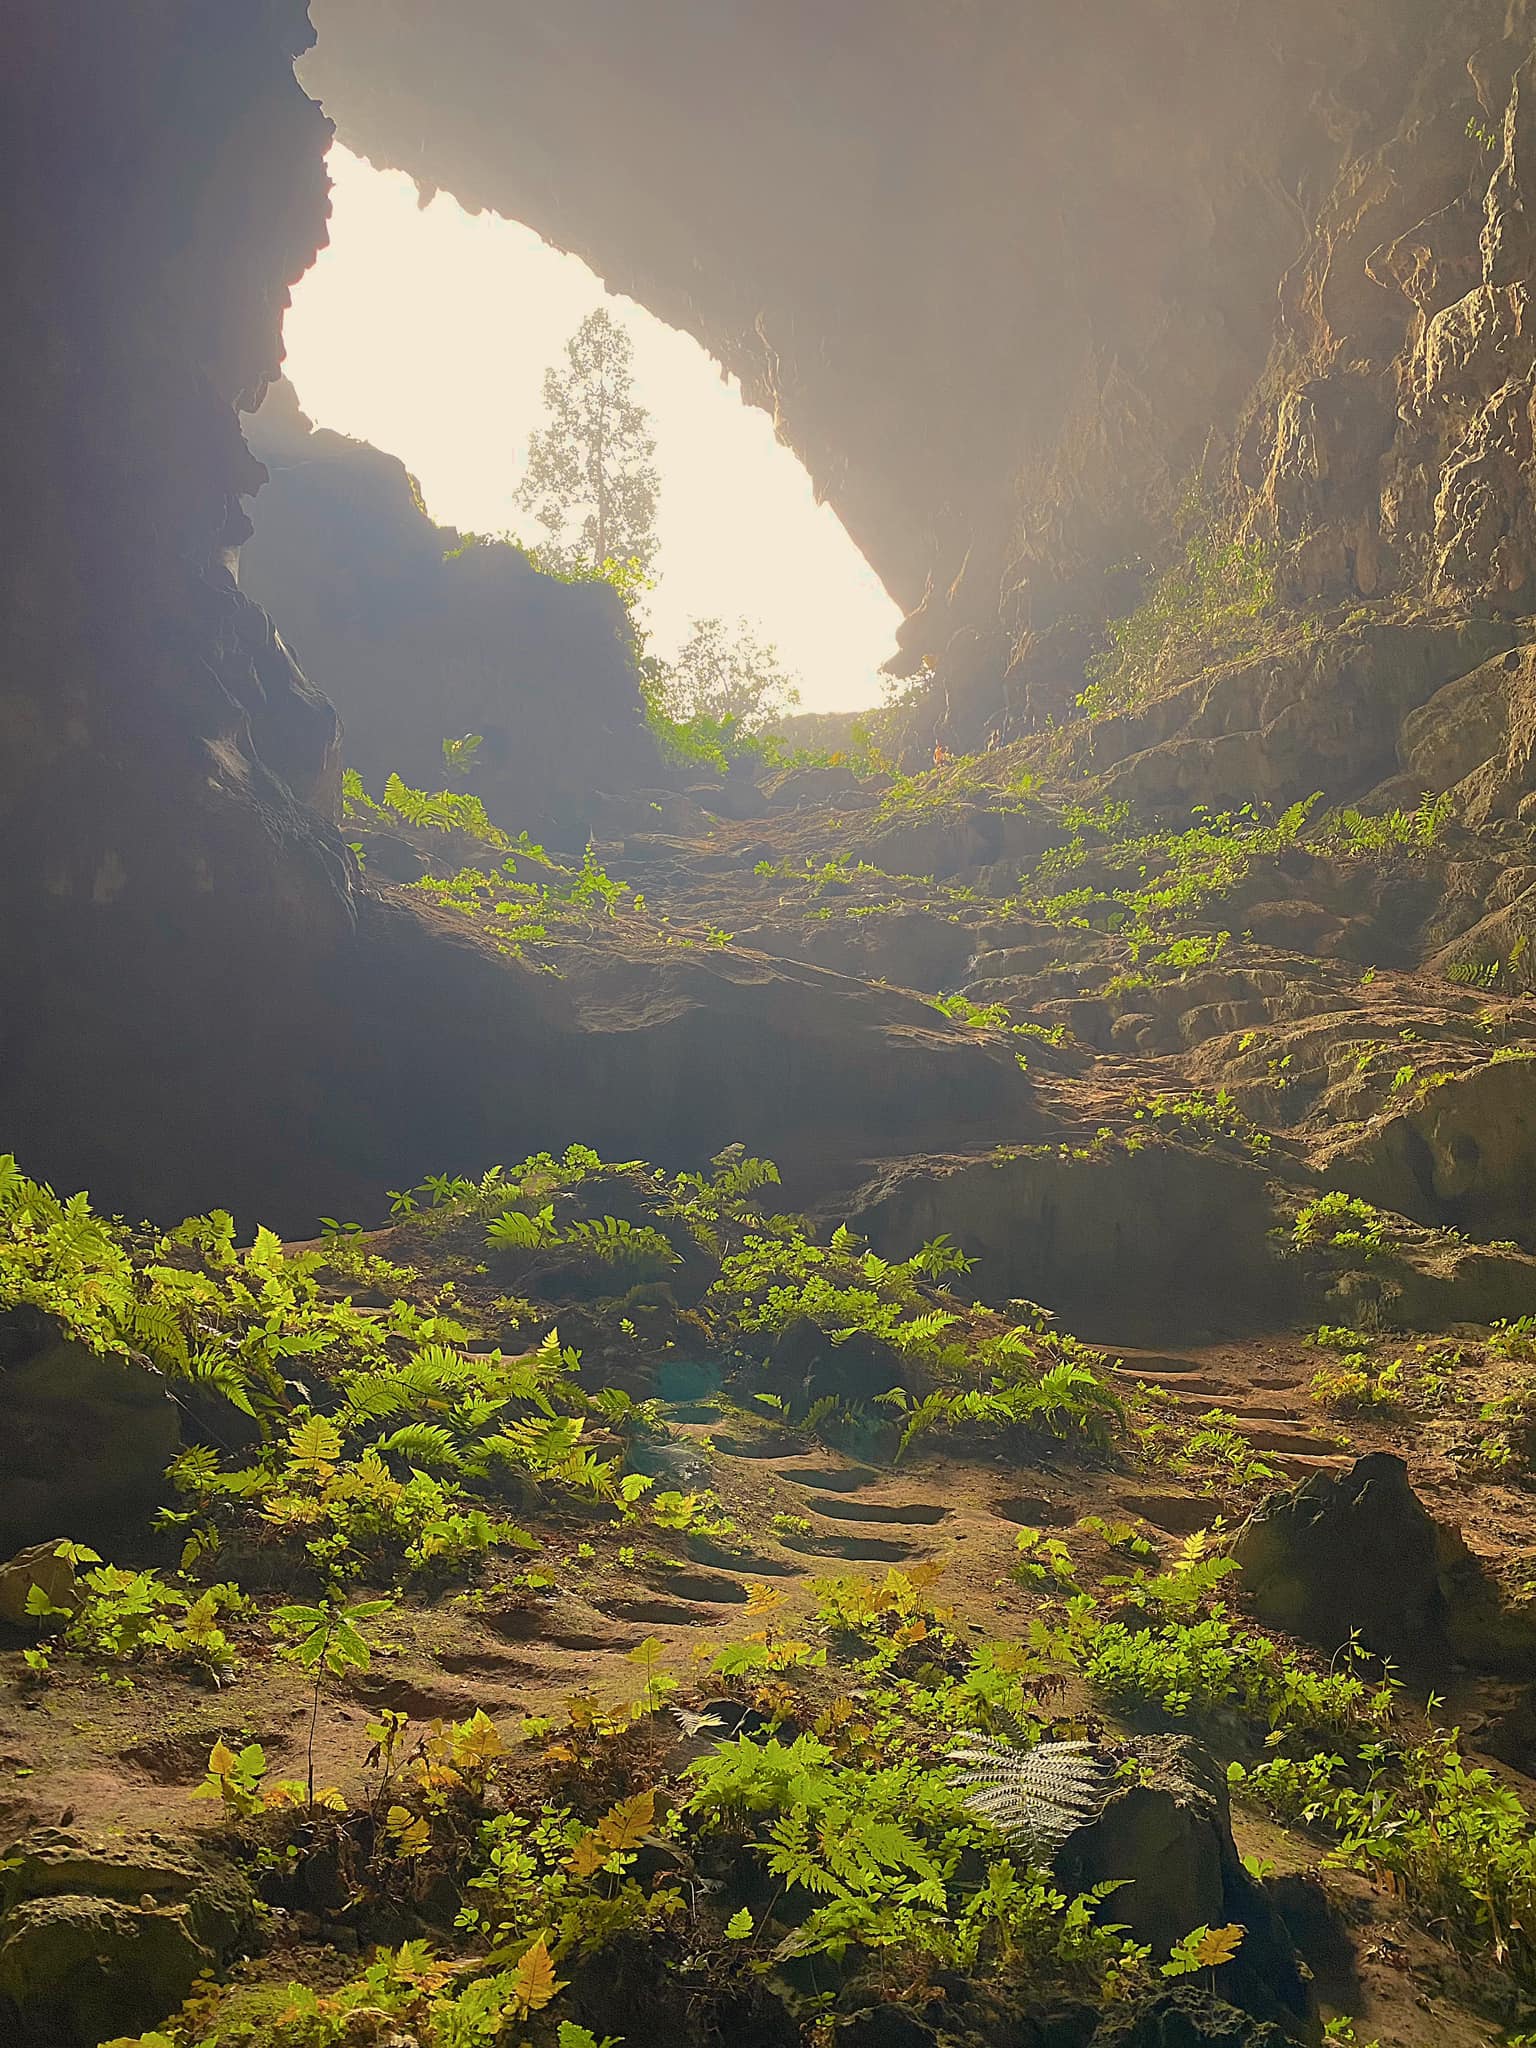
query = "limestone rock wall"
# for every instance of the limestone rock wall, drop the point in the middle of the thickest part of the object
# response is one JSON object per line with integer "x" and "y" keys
{"x": 417, "y": 637}
{"x": 1009, "y": 277}
{"x": 202, "y": 1001}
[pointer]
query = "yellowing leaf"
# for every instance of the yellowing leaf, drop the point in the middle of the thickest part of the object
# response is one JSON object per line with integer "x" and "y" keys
{"x": 626, "y": 1825}
{"x": 314, "y": 1445}
{"x": 533, "y": 1983}
{"x": 477, "y": 1740}
{"x": 586, "y": 1859}
{"x": 1218, "y": 1945}
{"x": 410, "y": 1833}
{"x": 221, "y": 1759}
{"x": 761, "y": 1597}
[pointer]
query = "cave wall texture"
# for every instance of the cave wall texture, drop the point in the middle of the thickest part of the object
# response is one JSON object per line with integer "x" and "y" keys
{"x": 1006, "y": 276}
{"x": 204, "y": 1002}
{"x": 1009, "y": 276}
{"x": 413, "y": 647}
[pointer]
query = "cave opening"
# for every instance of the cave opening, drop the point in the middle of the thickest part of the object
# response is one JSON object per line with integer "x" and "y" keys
{"x": 813, "y": 1388}
{"x": 426, "y": 330}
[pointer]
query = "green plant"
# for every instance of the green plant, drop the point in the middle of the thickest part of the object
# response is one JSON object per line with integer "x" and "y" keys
{"x": 790, "y": 1525}
{"x": 876, "y": 1855}
{"x": 118, "y": 1613}
{"x": 1207, "y": 605}
{"x": 1203, "y": 1117}
{"x": 1415, "y": 831}
{"x": 1337, "y": 1337}
{"x": 1204, "y": 1948}
{"x": 1043, "y": 1560}
{"x": 1356, "y": 1384}
{"x": 459, "y": 755}
{"x": 1194, "y": 1671}
{"x": 1343, "y": 1223}
{"x": 324, "y": 1641}
{"x": 1451, "y": 1836}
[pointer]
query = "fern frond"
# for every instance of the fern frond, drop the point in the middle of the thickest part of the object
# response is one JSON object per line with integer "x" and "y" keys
{"x": 423, "y": 1443}
{"x": 1035, "y": 1797}
{"x": 522, "y": 1232}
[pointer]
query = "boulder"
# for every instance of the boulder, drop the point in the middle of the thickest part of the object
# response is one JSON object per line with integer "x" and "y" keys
{"x": 372, "y": 596}
{"x": 1162, "y": 1241}
{"x": 38, "y": 1565}
{"x": 1461, "y": 1155}
{"x": 84, "y": 1445}
{"x": 101, "y": 1936}
{"x": 1359, "y": 1552}
{"x": 1165, "y": 1837}
{"x": 806, "y": 1365}
{"x": 1351, "y": 1553}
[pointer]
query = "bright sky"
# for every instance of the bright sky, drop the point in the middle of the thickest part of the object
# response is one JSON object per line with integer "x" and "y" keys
{"x": 427, "y": 331}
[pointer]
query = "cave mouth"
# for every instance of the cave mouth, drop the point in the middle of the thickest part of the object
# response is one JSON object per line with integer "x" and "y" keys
{"x": 427, "y": 330}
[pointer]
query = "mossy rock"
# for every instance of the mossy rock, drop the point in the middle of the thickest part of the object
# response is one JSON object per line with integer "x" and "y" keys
{"x": 84, "y": 1445}
{"x": 101, "y": 1938}
{"x": 41, "y": 1566}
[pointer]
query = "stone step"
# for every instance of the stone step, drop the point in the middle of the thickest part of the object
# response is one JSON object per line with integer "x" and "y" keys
{"x": 1302, "y": 1464}
{"x": 1264, "y": 1438}
{"x": 1149, "y": 1364}
{"x": 1174, "y": 1383}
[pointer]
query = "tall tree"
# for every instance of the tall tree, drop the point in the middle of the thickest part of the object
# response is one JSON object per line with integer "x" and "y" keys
{"x": 591, "y": 482}
{"x": 727, "y": 675}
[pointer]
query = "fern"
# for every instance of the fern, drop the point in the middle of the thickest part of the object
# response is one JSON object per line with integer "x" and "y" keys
{"x": 617, "y": 1242}
{"x": 1036, "y": 1797}
{"x": 516, "y": 1231}
{"x": 423, "y": 1443}
{"x": 742, "y": 1177}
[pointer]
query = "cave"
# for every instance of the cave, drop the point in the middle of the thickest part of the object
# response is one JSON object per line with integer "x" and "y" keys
{"x": 1133, "y": 1025}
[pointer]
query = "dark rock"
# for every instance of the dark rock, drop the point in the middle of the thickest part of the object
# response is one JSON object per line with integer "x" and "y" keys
{"x": 84, "y": 1443}
{"x": 1164, "y": 1241}
{"x": 391, "y": 857}
{"x": 343, "y": 553}
{"x": 1166, "y": 1837}
{"x": 1354, "y": 1553}
{"x": 806, "y": 1365}
{"x": 1461, "y": 1156}
{"x": 1006, "y": 527}
{"x": 888, "y": 2026}
{"x": 1322, "y": 1939}
{"x": 1186, "y": 2017}
{"x": 678, "y": 1464}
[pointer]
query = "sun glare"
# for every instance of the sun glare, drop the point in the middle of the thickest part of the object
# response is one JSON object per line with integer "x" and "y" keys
{"x": 427, "y": 331}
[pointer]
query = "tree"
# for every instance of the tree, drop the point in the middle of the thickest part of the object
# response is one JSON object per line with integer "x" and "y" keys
{"x": 591, "y": 482}
{"x": 724, "y": 675}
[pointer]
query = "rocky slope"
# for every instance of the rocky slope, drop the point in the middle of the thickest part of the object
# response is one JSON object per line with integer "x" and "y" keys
{"x": 1202, "y": 1023}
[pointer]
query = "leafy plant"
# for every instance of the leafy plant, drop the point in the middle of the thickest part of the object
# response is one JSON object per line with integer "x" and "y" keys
{"x": 1036, "y": 1797}
{"x": 1207, "y": 605}
{"x": 325, "y": 1641}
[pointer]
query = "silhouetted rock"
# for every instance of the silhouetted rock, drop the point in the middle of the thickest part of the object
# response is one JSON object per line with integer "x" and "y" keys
{"x": 418, "y": 634}
{"x": 1353, "y": 1554}
{"x": 1165, "y": 1836}
{"x": 84, "y": 1443}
